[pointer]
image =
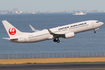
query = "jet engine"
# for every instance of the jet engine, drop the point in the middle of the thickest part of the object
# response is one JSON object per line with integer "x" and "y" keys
{"x": 69, "y": 35}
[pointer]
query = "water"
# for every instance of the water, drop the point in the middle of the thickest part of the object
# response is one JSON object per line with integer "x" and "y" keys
{"x": 82, "y": 42}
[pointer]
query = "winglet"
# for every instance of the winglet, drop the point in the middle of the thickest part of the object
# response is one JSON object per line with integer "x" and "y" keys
{"x": 50, "y": 31}
{"x": 33, "y": 29}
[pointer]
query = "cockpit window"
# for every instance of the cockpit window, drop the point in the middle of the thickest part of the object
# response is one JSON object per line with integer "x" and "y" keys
{"x": 97, "y": 22}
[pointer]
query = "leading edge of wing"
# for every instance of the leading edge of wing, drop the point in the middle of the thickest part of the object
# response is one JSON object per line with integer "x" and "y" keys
{"x": 54, "y": 34}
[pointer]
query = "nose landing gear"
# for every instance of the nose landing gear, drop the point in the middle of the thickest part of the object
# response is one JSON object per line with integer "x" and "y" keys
{"x": 56, "y": 40}
{"x": 94, "y": 31}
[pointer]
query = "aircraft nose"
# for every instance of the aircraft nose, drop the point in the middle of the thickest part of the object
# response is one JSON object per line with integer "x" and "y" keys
{"x": 101, "y": 23}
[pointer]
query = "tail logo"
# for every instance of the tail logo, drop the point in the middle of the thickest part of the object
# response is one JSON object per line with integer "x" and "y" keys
{"x": 12, "y": 31}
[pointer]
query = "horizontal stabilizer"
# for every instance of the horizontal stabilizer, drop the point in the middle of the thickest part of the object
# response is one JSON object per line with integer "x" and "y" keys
{"x": 6, "y": 38}
{"x": 9, "y": 38}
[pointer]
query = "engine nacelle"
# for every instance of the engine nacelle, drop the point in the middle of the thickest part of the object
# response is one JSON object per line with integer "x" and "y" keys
{"x": 69, "y": 35}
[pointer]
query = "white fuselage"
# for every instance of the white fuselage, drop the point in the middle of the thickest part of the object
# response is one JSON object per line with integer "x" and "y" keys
{"x": 45, "y": 35}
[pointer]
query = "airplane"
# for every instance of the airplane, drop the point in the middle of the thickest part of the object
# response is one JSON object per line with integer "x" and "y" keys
{"x": 66, "y": 31}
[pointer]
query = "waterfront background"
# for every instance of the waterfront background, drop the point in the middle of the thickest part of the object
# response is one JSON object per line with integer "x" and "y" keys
{"x": 82, "y": 42}
{"x": 52, "y": 55}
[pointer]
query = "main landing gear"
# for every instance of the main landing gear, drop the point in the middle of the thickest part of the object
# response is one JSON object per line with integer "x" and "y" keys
{"x": 56, "y": 40}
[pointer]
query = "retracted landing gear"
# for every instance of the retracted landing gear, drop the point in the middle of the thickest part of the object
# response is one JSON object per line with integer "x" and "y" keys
{"x": 56, "y": 40}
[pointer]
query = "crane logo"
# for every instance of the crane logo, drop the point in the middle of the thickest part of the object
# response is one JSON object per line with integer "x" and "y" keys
{"x": 12, "y": 31}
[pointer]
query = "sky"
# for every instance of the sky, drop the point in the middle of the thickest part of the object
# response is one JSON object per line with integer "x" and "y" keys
{"x": 52, "y": 5}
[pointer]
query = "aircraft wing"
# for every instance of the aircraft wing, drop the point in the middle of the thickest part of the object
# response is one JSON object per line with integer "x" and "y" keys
{"x": 33, "y": 29}
{"x": 56, "y": 35}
